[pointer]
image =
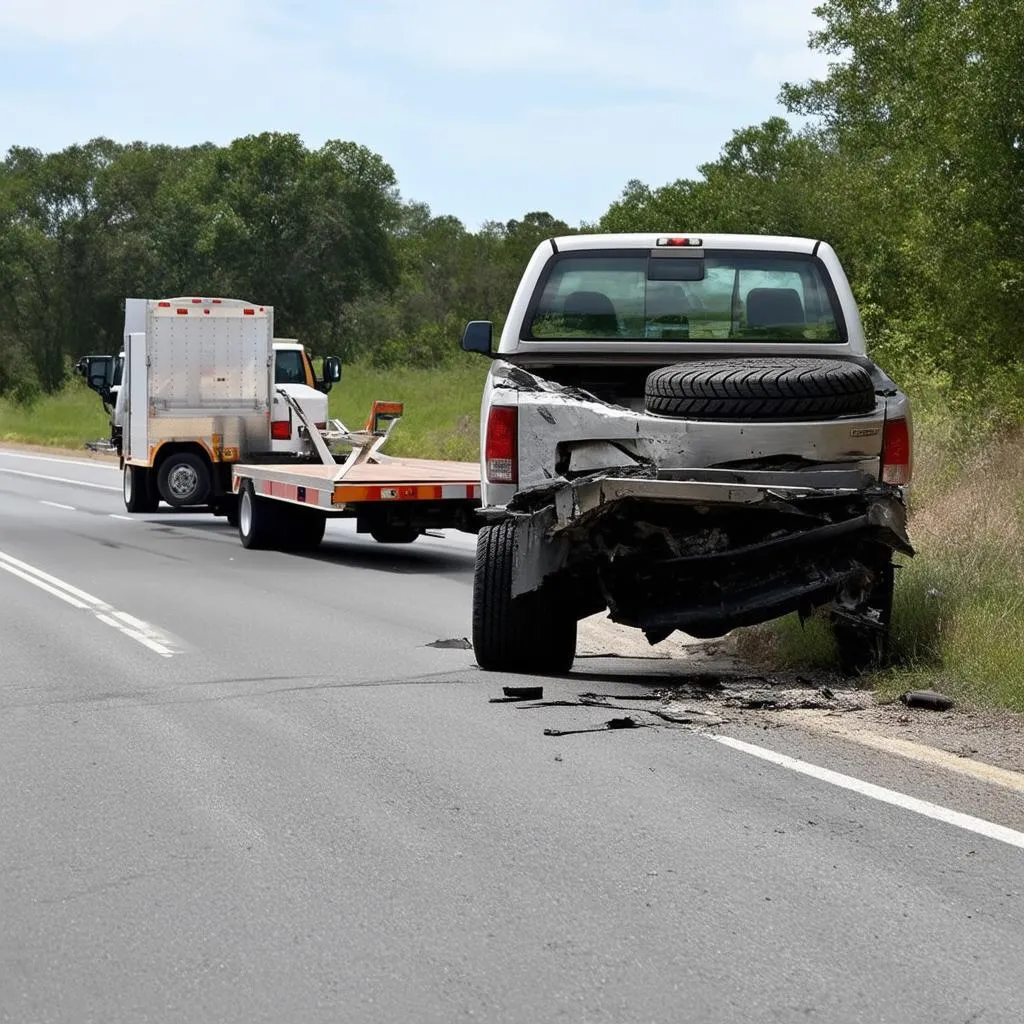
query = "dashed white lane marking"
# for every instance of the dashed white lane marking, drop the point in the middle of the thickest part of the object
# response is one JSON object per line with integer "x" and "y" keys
{"x": 141, "y": 632}
{"x": 57, "y": 504}
{"x": 888, "y": 796}
{"x": 127, "y": 519}
{"x": 59, "y": 479}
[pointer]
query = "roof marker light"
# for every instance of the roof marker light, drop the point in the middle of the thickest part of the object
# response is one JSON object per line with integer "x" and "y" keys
{"x": 679, "y": 241}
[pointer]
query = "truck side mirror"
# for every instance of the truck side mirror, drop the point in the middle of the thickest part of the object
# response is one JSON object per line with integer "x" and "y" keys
{"x": 332, "y": 373}
{"x": 477, "y": 337}
{"x": 98, "y": 372}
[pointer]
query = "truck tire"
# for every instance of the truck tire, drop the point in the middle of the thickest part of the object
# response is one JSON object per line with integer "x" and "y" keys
{"x": 257, "y": 519}
{"x": 864, "y": 648}
{"x": 394, "y": 534}
{"x": 136, "y": 489}
{"x": 760, "y": 389}
{"x": 184, "y": 479}
{"x": 300, "y": 529}
{"x": 534, "y": 633}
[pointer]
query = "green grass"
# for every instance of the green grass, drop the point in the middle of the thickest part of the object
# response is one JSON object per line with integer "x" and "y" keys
{"x": 65, "y": 420}
{"x": 958, "y": 615}
{"x": 441, "y": 418}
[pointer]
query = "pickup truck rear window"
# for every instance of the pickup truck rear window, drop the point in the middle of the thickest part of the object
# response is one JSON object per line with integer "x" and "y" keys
{"x": 639, "y": 296}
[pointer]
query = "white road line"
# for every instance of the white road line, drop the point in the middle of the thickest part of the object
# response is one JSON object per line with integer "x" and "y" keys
{"x": 888, "y": 796}
{"x": 50, "y": 458}
{"x": 127, "y": 519}
{"x": 141, "y": 632}
{"x": 59, "y": 479}
{"x": 57, "y": 504}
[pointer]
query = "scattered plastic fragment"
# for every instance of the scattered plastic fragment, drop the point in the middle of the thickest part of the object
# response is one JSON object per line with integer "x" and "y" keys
{"x": 457, "y": 644}
{"x": 523, "y": 692}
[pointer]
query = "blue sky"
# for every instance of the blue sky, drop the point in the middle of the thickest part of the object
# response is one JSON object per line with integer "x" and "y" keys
{"x": 486, "y": 109}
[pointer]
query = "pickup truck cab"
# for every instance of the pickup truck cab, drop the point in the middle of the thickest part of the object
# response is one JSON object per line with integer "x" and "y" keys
{"x": 684, "y": 430}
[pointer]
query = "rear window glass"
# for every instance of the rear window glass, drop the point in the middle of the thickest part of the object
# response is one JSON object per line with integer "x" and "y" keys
{"x": 725, "y": 296}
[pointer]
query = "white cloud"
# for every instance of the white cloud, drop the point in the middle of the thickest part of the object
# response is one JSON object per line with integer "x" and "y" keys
{"x": 671, "y": 46}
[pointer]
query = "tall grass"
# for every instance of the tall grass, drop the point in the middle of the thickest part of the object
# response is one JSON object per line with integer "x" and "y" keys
{"x": 441, "y": 418}
{"x": 958, "y": 615}
{"x": 64, "y": 420}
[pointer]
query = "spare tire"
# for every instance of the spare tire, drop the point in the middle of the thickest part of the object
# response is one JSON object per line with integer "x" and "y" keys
{"x": 760, "y": 389}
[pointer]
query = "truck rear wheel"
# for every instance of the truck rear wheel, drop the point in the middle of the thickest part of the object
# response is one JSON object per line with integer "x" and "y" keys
{"x": 137, "y": 490}
{"x": 184, "y": 479}
{"x": 533, "y": 633}
{"x": 300, "y": 529}
{"x": 257, "y": 519}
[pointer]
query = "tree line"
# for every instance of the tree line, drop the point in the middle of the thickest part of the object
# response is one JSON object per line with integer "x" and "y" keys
{"x": 910, "y": 163}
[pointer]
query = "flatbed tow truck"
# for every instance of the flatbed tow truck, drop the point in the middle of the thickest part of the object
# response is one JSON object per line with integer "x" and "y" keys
{"x": 203, "y": 424}
{"x": 392, "y": 499}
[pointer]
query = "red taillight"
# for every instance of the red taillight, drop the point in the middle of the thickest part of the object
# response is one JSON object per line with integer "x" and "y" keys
{"x": 501, "y": 447}
{"x": 281, "y": 430}
{"x": 897, "y": 457}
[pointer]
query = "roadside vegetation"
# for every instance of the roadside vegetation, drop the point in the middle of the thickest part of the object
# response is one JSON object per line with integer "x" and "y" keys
{"x": 908, "y": 160}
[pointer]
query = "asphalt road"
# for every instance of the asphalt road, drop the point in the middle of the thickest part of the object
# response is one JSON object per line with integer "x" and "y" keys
{"x": 240, "y": 787}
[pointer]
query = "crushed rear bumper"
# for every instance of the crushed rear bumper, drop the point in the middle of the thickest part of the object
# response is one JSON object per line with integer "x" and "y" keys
{"x": 708, "y": 555}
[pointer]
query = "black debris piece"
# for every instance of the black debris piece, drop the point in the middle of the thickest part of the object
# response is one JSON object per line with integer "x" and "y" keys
{"x": 932, "y": 700}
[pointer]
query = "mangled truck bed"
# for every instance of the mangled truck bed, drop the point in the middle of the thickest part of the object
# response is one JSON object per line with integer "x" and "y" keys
{"x": 688, "y": 433}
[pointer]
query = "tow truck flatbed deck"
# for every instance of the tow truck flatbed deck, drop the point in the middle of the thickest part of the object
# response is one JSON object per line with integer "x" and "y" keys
{"x": 334, "y": 487}
{"x": 394, "y": 499}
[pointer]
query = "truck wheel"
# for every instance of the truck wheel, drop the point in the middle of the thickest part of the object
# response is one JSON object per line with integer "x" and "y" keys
{"x": 300, "y": 529}
{"x": 184, "y": 479}
{"x": 394, "y": 534}
{"x": 136, "y": 490}
{"x": 760, "y": 389}
{"x": 534, "y": 633}
{"x": 257, "y": 519}
{"x": 865, "y": 648}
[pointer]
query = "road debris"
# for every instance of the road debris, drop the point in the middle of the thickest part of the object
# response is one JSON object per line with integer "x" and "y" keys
{"x": 613, "y": 723}
{"x": 932, "y": 700}
{"x": 454, "y": 644}
{"x": 523, "y": 692}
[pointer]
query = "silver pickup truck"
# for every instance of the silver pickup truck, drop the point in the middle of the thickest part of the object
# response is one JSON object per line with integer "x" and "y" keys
{"x": 685, "y": 431}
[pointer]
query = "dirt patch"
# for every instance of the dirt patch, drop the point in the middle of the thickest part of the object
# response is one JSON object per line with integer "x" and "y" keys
{"x": 708, "y": 682}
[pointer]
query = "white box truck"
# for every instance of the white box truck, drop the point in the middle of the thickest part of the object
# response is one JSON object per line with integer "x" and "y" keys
{"x": 196, "y": 392}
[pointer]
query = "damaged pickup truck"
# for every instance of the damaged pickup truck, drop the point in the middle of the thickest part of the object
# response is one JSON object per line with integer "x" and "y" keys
{"x": 688, "y": 433}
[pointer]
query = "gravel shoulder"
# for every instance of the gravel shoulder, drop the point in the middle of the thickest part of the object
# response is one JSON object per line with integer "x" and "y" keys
{"x": 709, "y": 681}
